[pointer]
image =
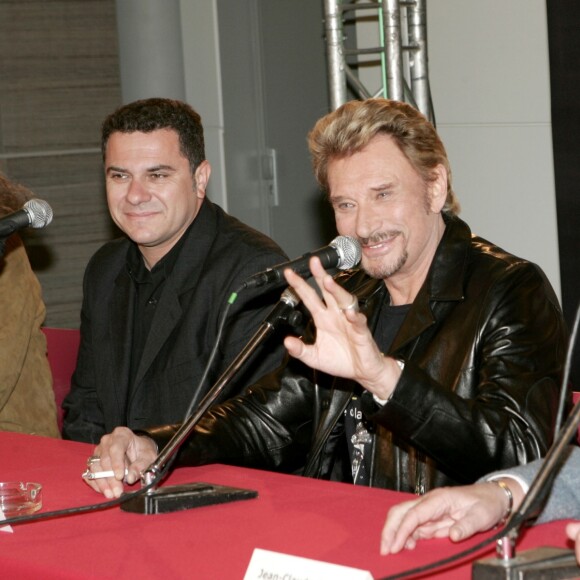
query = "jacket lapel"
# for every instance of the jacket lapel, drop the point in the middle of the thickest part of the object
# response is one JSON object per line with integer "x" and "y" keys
{"x": 444, "y": 284}
{"x": 186, "y": 275}
{"x": 167, "y": 315}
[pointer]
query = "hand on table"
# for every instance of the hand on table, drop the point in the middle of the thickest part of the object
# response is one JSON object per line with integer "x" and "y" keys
{"x": 454, "y": 512}
{"x": 124, "y": 453}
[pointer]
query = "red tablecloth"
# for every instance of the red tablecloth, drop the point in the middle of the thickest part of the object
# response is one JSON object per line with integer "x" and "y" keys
{"x": 325, "y": 521}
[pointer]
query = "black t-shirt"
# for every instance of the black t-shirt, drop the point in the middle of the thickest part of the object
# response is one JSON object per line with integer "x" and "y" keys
{"x": 359, "y": 432}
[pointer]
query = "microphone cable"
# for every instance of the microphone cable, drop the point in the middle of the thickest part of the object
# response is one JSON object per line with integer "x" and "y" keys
{"x": 87, "y": 508}
{"x": 233, "y": 297}
{"x": 420, "y": 570}
{"x": 160, "y": 475}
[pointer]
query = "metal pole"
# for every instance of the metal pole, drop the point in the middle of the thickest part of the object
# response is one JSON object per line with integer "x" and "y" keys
{"x": 392, "y": 39}
{"x": 417, "y": 15}
{"x": 150, "y": 49}
{"x": 402, "y": 51}
{"x": 335, "y": 54}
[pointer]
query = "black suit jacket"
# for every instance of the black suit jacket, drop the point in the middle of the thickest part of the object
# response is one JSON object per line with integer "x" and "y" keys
{"x": 219, "y": 253}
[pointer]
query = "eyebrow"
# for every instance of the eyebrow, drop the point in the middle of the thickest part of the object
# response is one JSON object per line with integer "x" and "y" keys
{"x": 113, "y": 168}
{"x": 381, "y": 187}
{"x": 160, "y": 167}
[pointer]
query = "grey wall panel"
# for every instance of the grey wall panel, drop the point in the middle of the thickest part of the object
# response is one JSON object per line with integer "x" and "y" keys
{"x": 59, "y": 77}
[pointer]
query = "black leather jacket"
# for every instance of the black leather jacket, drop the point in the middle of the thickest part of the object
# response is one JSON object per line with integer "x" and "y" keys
{"x": 483, "y": 344}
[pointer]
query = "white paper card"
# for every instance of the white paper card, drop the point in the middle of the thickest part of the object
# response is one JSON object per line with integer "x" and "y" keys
{"x": 266, "y": 565}
{"x": 4, "y": 528}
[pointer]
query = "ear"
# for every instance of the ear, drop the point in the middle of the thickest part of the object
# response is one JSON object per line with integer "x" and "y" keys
{"x": 201, "y": 177}
{"x": 438, "y": 189}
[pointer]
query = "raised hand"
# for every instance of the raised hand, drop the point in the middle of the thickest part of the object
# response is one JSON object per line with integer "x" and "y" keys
{"x": 344, "y": 345}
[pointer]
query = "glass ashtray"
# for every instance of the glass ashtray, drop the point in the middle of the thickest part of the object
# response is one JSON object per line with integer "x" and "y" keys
{"x": 18, "y": 498}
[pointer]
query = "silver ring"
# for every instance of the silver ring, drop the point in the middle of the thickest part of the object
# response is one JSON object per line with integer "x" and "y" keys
{"x": 352, "y": 306}
{"x": 93, "y": 459}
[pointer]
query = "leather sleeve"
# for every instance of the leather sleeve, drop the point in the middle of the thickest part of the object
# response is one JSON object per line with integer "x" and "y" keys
{"x": 500, "y": 408}
{"x": 268, "y": 427}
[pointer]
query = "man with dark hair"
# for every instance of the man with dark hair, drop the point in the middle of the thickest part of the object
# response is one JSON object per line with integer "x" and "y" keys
{"x": 153, "y": 300}
{"x": 450, "y": 369}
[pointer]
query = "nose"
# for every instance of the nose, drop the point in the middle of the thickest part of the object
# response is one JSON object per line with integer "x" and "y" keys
{"x": 367, "y": 221}
{"x": 137, "y": 193}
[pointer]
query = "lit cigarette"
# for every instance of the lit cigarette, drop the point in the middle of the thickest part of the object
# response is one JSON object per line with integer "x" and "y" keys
{"x": 100, "y": 474}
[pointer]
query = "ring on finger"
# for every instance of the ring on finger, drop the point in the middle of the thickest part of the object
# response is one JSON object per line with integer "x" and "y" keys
{"x": 93, "y": 459}
{"x": 352, "y": 306}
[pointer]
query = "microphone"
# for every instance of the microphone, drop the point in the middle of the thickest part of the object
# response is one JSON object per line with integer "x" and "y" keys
{"x": 343, "y": 253}
{"x": 36, "y": 213}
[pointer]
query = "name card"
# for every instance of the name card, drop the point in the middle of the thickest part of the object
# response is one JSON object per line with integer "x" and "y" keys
{"x": 266, "y": 565}
{"x": 4, "y": 528}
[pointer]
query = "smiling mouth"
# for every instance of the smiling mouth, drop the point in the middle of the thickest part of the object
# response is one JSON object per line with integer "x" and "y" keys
{"x": 140, "y": 215}
{"x": 377, "y": 244}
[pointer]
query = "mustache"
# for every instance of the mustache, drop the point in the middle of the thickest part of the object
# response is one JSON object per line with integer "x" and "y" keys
{"x": 377, "y": 238}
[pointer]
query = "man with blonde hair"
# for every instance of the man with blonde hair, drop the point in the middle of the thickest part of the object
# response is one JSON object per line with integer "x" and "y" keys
{"x": 436, "y": 362}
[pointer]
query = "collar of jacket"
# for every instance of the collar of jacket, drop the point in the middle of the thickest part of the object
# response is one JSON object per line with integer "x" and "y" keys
{"x": 186, "y": 275}
{"x": 444, "y": 283}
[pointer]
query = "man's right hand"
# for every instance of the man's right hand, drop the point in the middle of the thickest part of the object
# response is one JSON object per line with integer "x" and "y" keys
{"x": 121, "y": 451}
{"x": 454, "y": 512}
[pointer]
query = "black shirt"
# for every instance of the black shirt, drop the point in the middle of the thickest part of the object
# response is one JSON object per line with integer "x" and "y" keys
{"x": 359, "y": 432}
{"x": 149, "y": 286}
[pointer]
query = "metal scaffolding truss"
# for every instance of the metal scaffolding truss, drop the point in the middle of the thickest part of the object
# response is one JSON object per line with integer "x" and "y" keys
{"x": 401, "y": 53}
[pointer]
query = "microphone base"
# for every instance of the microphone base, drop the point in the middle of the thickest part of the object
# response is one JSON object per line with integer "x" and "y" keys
{"x": 183, "y": 497}
{"x": 544, "y": 563}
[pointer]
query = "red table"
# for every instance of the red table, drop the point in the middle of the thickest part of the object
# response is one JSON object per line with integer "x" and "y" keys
{"x": 331, "y": 522}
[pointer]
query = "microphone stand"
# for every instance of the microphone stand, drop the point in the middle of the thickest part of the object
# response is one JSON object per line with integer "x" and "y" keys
{"x": 545, "y": 562}
{"x": 182, "y": 497}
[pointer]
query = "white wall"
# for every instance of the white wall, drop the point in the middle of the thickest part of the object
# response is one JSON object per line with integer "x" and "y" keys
{"x": 489, "y": 74}
{"x": 489, "y": 77}
{"x": 203, "y": 92}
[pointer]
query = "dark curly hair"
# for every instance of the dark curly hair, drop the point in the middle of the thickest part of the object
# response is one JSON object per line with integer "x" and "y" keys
{"x": 12, "y": 196}
{"x": 149, "y": 115}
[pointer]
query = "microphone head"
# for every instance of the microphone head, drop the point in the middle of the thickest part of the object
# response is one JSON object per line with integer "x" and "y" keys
{"x": 348, "y": 250}
{"x": 39, "y": 212}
